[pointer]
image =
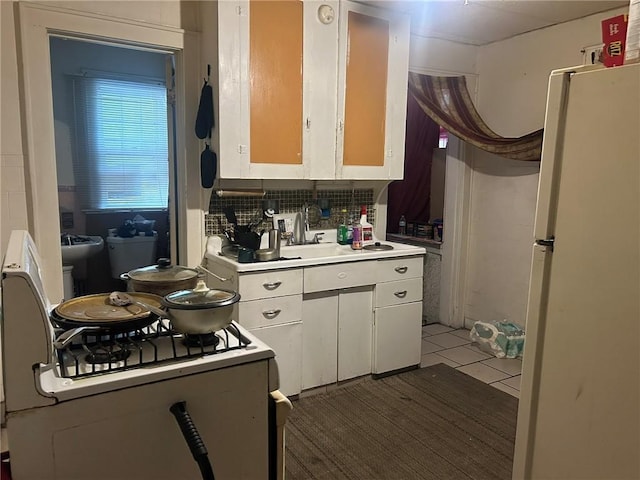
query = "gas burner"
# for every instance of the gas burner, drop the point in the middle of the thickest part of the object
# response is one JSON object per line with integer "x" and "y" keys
{"x": 204, "y": 340}
{"x": 107, "y": 354}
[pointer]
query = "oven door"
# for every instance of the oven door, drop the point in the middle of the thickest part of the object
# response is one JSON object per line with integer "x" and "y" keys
{"x": 131, "y": 434}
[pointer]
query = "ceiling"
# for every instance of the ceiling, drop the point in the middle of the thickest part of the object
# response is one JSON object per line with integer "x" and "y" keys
{"x": 479, "y": 22}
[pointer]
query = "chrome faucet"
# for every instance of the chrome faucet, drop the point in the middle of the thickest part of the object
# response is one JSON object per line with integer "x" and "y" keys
{"x": 301, "y": 226}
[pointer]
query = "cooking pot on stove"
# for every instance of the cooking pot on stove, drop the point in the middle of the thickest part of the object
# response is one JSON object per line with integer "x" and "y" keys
{"x": 97, "y": 315}
{"x": 161, "y": 279}
{"x": 200, "y": 310}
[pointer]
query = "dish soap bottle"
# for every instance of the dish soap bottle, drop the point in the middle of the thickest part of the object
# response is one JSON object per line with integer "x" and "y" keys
{"x": 367, "y": 228}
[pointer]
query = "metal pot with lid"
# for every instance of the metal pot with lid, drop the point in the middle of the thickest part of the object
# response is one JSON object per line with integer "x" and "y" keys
{"x": 200, "y": 310}
{"x": 97, "y": 315}
{"x": 161, "y": 279}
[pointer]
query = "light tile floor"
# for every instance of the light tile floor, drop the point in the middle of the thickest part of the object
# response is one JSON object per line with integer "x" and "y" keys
{"x": 442, "y": 344}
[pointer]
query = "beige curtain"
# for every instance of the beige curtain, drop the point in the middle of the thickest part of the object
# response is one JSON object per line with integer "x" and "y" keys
{"x": 446, "y": 100}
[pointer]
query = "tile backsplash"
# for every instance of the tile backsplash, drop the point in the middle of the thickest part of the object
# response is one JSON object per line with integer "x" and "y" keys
{"x": 291, "y": 201}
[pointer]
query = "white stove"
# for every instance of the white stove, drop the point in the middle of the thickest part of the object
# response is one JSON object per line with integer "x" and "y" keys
{"x": 117, "y": 392}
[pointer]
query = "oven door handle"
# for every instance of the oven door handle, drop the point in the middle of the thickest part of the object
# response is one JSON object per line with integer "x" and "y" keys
{"x": 194, "y": 441}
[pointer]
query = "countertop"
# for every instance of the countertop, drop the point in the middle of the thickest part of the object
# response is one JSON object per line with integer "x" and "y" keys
{"x": 410, "y": 239}
{"x": 324, "y": 253}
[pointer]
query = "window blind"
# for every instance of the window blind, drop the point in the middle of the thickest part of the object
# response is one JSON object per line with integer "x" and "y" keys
{"x": 121, "y": 144}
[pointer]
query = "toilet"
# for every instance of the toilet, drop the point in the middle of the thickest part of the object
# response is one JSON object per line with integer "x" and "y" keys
{"x": 126, "y": 254}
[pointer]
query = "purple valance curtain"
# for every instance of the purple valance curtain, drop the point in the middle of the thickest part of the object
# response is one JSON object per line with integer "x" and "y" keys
{"x": 447, "y": 101}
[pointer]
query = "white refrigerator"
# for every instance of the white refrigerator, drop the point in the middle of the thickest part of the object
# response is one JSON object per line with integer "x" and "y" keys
{"x": 579, "y": 413}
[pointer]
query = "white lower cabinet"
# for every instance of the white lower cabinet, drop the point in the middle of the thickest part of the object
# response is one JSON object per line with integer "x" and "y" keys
{"x": 270, "y": 307}
{"x": 355, "y": 323}
{"x": 397, "y": 324}
{"x": 336, "y": 338}
{"x": 397, "y": 339}
{"x": 329, "y": 323}
{"x": 319, "y": 339}
{"x": 286, "y": 341}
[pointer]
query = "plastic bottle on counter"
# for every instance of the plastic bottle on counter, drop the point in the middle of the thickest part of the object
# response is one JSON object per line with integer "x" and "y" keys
{"x": 356, "y": 243}
{"x": 350, "y": 224}
{"x": 367, "y": 228}
{"x": 342, "y": 233}
{"x": 402, "y": 225}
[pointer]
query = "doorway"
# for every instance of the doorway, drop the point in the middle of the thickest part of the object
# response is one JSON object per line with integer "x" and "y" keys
{"x": 112, "y": 150}
{"x": 453, "y": 185}
{"x": 37, "y": 24}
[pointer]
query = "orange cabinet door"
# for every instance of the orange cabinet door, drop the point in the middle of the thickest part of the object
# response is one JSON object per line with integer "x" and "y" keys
{"x": 366, "y": 90}
{"x": 275, "y": 81}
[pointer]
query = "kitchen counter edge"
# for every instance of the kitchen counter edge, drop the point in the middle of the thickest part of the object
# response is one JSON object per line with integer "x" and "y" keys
{"x": 399, "y": 250}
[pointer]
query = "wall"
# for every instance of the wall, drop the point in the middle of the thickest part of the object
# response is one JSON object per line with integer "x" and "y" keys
{"x": 13, "y": 214}
{"x": 441, "y": 55}
{"x": 513, "y": 77}
{"x": 172, "y": 13}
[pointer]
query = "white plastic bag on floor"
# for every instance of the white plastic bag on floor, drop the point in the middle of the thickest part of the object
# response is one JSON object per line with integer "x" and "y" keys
{"x": 502, "y": 339}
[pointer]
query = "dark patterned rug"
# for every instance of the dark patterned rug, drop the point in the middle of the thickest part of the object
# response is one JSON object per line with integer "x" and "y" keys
{"x": 432, "y": 423}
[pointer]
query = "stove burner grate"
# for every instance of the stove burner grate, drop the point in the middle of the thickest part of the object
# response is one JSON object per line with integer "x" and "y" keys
{"x": 108, "y": 354}
{"x": 204, "y": 340}
{"x": 155, "y": 344}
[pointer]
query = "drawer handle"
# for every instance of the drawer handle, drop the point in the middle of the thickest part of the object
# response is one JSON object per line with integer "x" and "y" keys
{"x": 272, "y": 285}
{"x": 342, "y": 275}
{"x": 271, "y": 313}
{"x": 401, "y": 294}
{"x": 401, "y": 269}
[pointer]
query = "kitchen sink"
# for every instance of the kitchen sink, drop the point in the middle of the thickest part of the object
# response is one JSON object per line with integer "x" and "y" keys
{"x": 79, "y": 247}
{"x": 316, "y": 250}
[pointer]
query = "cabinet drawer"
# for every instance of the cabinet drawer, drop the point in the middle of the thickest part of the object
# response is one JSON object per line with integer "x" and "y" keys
{"x": 342, "y": 275}
{"x": 396, "y": 293}
{"x": 399, "y": 268}
{"x": 269, "y": 284}
{"x": 270, "y": 311}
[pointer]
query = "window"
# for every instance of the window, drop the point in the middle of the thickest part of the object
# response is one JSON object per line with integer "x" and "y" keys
{"x": 122, "y": 147}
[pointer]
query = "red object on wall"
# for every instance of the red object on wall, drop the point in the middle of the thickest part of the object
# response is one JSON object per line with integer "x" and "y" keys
{"x": 614, "y": 35}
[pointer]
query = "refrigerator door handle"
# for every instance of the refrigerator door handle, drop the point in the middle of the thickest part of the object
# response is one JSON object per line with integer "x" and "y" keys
{"x": 547, "y": 242}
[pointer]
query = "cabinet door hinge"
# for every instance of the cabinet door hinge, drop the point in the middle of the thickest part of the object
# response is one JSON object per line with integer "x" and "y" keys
{"x": 242, "y": 148}
{"x": 242, "y": 12}
{"x": 308, "y": 124}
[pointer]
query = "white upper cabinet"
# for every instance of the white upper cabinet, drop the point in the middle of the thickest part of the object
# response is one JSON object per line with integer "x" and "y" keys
{"x": 283, "y": 109}
{"x": 372, "y": 92}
